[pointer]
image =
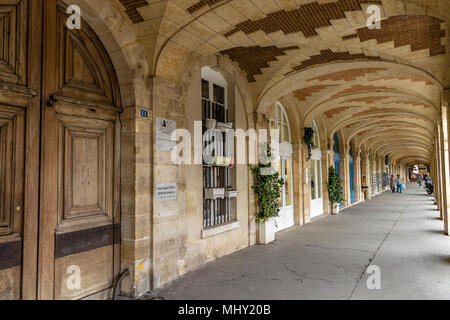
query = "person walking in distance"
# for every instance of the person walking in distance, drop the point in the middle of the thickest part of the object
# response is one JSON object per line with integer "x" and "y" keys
{"x": 392, "y": 183}
{"x": 399, "y": 181}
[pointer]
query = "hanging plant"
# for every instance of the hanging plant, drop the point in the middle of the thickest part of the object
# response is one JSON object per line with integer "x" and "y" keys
{"x": 309, "y": 141}
{"x": 335, "y": 188}
{"x": 268, "y": 190}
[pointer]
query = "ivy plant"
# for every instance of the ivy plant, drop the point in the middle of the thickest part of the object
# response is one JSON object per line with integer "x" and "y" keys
{"x": 335, "y": 188}
{"x": 268, "y": 189}
{"x": 309, "y": 141}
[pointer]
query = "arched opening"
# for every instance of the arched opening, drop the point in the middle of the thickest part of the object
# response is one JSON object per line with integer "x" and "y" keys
{"x": 337, "y": 154}
{"x": 316, "y": 206}
{"x": 217, "y": 174}
{"x": 279, "y": 123}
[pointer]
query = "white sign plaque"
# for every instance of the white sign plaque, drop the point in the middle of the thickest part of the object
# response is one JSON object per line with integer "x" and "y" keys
{"x": 167, "y": 191}
{"x": 164, "y": 130}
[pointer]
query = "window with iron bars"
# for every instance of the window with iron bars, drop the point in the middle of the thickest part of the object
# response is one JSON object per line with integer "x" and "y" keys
{"x": 216, "y": 177}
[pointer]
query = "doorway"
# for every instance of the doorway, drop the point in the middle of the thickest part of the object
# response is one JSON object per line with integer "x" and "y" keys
{"x": 279, "y": 121}
{"x": 60, "y": 157}
{"x": 285, "y": 219}
{"x": 316, "y": 176}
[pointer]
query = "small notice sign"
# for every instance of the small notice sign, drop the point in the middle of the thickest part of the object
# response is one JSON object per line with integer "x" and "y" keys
{"x": 144, "y": 114}
{"x": 167, "y": 191}
{"x": 164, "y": 130}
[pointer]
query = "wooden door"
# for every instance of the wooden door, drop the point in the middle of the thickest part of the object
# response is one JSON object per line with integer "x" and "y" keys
{"x": 20, "y": 81}
{"x": 79, "y": 233}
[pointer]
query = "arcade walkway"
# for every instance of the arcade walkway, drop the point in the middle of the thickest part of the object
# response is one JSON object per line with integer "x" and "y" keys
{"x": 327, "y": 259}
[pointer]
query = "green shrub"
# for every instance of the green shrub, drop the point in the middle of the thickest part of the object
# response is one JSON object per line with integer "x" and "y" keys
{"x": 335, "y": 188}
{"x": 268, "y": 190}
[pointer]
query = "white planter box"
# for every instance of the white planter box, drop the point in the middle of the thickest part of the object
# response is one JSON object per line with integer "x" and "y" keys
{"x": 225, "y": 125}
{"x": 214, "y": 193}
{"x": 231, "y": 193}
{"x": 266, "y": 232}
{"x": 223, "y": 161}
{"x": 336, "y": 208}
{"x": 210, "y": 123}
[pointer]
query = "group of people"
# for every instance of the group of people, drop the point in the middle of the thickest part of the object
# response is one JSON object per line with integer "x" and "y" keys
{"x": 397, "y": 185}
{"x": 423, "y": 180}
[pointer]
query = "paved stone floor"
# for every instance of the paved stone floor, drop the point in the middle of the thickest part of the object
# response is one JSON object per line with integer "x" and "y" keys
{"x": 328, "y": 259}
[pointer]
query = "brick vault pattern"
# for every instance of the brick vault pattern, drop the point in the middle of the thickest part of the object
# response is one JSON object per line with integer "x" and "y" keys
{"x": 306, "y": 18}
{"x": 421, "y": 32}
{"x": 327, "y": 56}
{"x": 252, "y": 59}
{"x": 202, "y": 4}
{"x": 131, "y": 9}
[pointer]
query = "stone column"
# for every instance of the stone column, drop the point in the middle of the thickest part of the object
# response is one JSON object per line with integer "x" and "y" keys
{"x": 445, "y": 167}
{"x": 260, "y": 124}
{"x": 365, "y": 180}
{"x": 327, "y": 162}
{"x": 299, "y": 185}
{"x": 136, "y": 202}
{"x": 380, "y": 171}
{"x": 346, "y": 174}
{"x": 437, "y": 180}
{"x": 307, "y": 187}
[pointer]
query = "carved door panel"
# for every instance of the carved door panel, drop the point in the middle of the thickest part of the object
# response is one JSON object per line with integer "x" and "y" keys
{"x": 80, "y": 199}
{"x": 20, "y": 56}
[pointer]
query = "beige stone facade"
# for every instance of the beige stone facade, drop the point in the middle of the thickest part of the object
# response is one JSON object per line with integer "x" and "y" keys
{"x": 164, "y": 45}
{"x": 385, "y": 94}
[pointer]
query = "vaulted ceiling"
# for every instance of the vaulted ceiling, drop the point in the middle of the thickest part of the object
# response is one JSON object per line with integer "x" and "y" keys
{"x": 381, "y": 87}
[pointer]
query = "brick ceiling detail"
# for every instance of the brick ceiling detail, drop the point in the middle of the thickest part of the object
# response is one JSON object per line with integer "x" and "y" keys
{"x": 197, "y": 6}
{"x": 331, "y": 113}
{"x": 411, "y": 78}
{"x": 419, "y": 31}
{"x": 376, "y": 110}
{"x": 306, "y": 18}
{"x": 131, "y": 9}
{"x": 252, "y": 59}
{"x": 366, "y": 99}
{"x": 327, "y": 56}
{"x": 347, "y": 75}
{"x": 410, "y": 103}
{"x": 363, "y": 88}
{"x": 303, "y": 94}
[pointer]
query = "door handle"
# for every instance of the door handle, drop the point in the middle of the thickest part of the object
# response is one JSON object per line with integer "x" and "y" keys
{"x": 51, "y": 101}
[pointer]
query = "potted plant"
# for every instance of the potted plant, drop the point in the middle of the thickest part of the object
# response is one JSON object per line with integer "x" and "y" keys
{"x": 268, "y": 188}
{"x": 214, "y": 193}
{"x": 210, "y": 124}
{"x": 335, "y": 190}
{"x": 309, "y": 141}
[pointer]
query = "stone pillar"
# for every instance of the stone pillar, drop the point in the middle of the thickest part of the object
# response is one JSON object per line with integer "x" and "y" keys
{"x": 365, "y": 179}
{"x": 299, "y": 184}
{"x": 260, "y": 124}
{"x": 136, "y": 202}
{"x": 307, "y": 187}
{"x": 346, "y": 174}
{"x": 327, "y": 162}
{"x": 437, "y": 180}
{"x": 443, "y": 143}
{"x": 380, "y": 171}
{"x": 445, "y": 167}
{"x": 252, "y": 201}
